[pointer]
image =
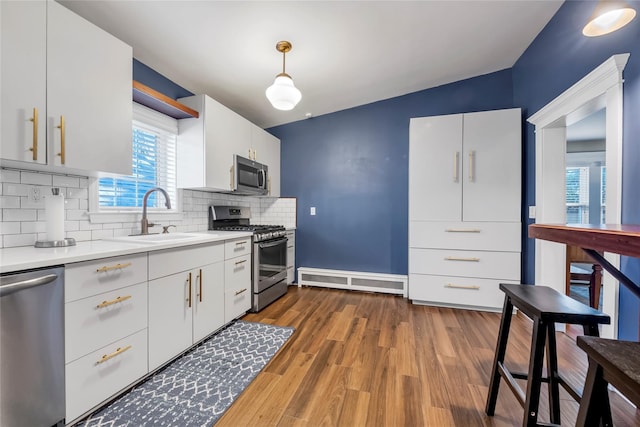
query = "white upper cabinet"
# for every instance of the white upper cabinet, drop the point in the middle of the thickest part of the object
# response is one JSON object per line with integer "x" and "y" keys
{"x": 78, "y": 77}
{"x": 267, "y": 151}
{"x": 23, "y": 37}
{"x": 207, "y": 144}
{"x": 465, "y": 167}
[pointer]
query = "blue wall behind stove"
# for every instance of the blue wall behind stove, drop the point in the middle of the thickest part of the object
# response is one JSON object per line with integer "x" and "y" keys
{"x": 352, "y": 166}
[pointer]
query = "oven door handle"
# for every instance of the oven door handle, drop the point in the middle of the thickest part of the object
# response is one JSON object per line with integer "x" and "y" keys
{"x": 272, "y": 244}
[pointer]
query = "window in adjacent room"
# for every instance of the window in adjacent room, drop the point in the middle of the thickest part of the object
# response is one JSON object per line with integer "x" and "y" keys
{"x": 154, "y": 165}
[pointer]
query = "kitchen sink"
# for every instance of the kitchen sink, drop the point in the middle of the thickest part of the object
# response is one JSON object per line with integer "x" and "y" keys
{"x": 159, "y": 238}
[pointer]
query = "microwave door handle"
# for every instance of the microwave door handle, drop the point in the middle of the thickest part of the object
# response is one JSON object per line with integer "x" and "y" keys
{"x": 264, "y": 179}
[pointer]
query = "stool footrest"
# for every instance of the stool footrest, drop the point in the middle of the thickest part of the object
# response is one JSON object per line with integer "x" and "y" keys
{"x": 511, "y": 382}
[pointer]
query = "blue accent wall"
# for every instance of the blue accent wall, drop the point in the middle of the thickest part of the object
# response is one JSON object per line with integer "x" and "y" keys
{"x": 149, "y": 77}
{"x": 558, "y": 58}
{"x": 352, "y": 166}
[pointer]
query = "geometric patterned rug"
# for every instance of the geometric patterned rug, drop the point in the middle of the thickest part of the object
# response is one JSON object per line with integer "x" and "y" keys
{"x": 197, "y": 388}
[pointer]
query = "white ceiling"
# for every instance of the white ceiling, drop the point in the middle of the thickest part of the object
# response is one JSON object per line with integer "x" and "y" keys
{"x": 345, "y": 53}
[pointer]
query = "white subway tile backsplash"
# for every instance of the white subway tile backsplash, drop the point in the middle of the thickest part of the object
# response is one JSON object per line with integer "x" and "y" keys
{"x": 32, "y": 227}
{"x": 14, "y": 240}
{"x": 11, "y": 189}
{"x": 19, "y": 214}
{"x": 23, "y": 220}
{"x": 8, "y": 175}
{"x": 66, "y": 181}
{"x": 9, "y": 201}
{"x": 9, "y": 228}
{"x": 35, "y": 178}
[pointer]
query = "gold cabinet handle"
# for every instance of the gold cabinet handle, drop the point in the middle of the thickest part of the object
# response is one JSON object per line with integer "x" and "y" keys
{"x": 62, "y": 142}
{"x": 104, "y": 304}
{"x": 241, "y": 243}
{"x": 200, "y": 277}
{"x": 113, "y": 267}
{"x": 241, "y": 291}
{"x": 241, "y": 262}
{"x": 454, "y": 258}
{"x": 34, "y": 147}
{"x": 462, "y": 230}
{"x": 118, "y": 351}
{"x": 472, "y": 155}
{"x": 454, "y": 286}
{"x": 456, "y": 161}
{"x": 189, "y": 295}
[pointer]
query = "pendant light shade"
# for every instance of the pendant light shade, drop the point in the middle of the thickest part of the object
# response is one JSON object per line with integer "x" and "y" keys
{"x": 283, "y": 94}
{"x": 608, "y": 16}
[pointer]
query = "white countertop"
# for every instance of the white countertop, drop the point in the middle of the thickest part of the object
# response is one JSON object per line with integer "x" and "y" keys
{"x": 28, "y": 257}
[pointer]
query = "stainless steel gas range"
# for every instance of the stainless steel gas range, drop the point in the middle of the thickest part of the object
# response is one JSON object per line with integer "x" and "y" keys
{"x": 269, "y": 256}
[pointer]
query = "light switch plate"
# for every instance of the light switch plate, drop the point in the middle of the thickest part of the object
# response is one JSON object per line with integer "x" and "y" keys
{"x": 313, "y": 210}
{"x": 532, "y": 212}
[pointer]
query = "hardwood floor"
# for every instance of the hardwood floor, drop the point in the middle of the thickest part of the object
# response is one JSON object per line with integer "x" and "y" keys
{"x": 362, "y": 359}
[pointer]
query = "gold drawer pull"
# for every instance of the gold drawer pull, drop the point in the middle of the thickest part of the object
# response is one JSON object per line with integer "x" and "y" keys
{"x": 113, "y": 267}
{"x": 463, "y": 230}
{"x": 241, "y": 262}
{"x": 455, "y": 258}
{"x": 118, "y": 351}
{"x": 241, "y": 243}
{"x": 241, "y": 291}
{"x": 451, "y": 285}
{"x": 104, "y": 304}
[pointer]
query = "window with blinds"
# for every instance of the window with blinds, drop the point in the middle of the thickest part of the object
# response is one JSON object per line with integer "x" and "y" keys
{"x": 154, "y": 164}
{"x": 577, "y": 195}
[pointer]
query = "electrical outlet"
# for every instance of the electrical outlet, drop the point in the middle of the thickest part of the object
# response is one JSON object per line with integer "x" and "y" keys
{"x": 313, "y": 210}
{"x": 35, "y": 195}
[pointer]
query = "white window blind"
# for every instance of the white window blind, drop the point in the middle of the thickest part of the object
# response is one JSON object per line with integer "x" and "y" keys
{"x": 577, "y": 195}
{"x": 153, "y": 160}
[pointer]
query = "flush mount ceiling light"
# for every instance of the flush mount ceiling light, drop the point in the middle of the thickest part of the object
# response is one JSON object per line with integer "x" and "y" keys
{"x": 608, "y": 16}
{"x": 282, "y": 94}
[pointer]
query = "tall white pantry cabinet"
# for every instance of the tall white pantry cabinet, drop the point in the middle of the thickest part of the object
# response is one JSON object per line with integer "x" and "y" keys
{"x": 464, "y": 208}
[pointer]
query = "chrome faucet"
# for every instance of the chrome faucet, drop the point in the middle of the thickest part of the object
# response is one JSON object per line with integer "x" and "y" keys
{"x": 144, "y": 223}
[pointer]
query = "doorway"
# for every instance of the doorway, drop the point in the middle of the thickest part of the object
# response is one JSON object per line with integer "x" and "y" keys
{"x": 600, "y": 89}
{"x": 585, "y": 198}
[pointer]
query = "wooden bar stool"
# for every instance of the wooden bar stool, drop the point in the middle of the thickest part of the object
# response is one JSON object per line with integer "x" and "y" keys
{"x": 610, "y": 362}
{"x": 546, "y": 307}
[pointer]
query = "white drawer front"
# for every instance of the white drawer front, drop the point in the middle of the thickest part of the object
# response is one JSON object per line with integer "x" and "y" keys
{"x": 291, "y": 238}
{"x": 237, "y": 272}
{"x": 236, "y": 302}
{"x": 92, "y": 323}
{"x": 489, "y": 236}
{"x": 484, "y": 264}
{"x": 88, "y": 383}
{"x": 457, "y": 291}
{"x": 170, "y": 261}
{"x": 85, "y": 279}
{"x": 236, "y": 248}
{"x": 291, "y": 257}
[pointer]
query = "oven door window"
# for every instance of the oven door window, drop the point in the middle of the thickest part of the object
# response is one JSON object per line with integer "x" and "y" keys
{"x": 273, "y": 258}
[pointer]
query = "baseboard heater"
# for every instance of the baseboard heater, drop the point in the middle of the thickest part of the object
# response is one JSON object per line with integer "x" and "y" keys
{"x": 353, "y": 280}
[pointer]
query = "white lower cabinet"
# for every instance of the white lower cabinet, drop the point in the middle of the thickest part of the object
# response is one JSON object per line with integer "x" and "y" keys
{"x": 126, "y": 316}
{"x": 94, "y": 378}
{"x": 237, "y": 285}
{"x": 237, "y": 278}
{"x": 105, "y": 329}
{"x": 185, "y": 306}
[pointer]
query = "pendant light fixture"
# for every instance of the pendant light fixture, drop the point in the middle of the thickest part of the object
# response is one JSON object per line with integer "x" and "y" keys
{"x": 282, "y": 94}
{"x": 608, "y": 16}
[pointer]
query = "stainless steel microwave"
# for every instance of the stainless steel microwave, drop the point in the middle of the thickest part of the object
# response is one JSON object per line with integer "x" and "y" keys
{"x": 249, "y": 177}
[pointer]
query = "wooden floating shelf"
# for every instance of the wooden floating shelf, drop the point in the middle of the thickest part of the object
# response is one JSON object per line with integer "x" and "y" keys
{"x": 155, "y": 100}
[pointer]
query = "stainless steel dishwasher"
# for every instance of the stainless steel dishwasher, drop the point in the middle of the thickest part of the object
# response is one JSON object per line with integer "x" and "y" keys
{"x": 32, "y": 348}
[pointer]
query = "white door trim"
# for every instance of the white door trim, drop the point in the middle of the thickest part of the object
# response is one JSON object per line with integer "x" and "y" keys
{"x": 602, "y": 87}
